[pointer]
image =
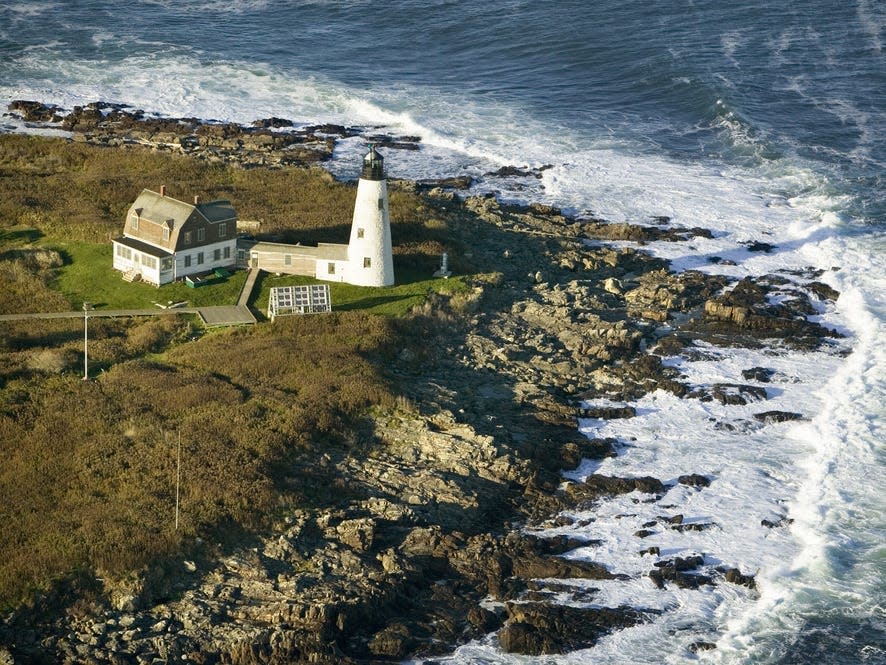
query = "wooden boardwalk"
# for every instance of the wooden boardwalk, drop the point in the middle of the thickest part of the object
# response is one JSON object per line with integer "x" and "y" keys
{"x": 248, "y": 285}
{"x": 217, "y": 315}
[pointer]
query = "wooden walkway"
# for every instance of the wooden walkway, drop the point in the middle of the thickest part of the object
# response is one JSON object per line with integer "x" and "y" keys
{"x": 217, "y": 315}
{"x": 248, "y": 285}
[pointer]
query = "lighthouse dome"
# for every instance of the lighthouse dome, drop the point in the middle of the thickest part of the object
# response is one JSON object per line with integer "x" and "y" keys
{"x": 373, "y": 165}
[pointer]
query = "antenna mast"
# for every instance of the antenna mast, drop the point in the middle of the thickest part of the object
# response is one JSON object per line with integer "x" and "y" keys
{"x": 178, "y": 477}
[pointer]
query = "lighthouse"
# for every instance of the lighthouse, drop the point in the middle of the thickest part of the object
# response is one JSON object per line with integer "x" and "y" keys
{"x": 370, "y": 260}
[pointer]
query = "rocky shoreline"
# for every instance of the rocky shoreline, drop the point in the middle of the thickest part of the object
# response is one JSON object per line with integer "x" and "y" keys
{"x": 429, "y": 542}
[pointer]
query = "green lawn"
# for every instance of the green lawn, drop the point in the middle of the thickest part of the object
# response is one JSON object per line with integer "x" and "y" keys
{"x": 411, "y": 289}
{"x": 87, "y": 276}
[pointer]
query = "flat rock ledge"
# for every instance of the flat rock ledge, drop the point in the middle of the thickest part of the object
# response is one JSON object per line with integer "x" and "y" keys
{"x": 428, "y": 540}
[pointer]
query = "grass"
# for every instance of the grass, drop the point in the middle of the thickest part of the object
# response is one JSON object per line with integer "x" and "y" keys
{"x": 87, "y": 276}
{"x": 396, "y": 301}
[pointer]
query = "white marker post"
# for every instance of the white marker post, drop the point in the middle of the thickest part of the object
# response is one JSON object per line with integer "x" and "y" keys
{"x": 87, "y": 306}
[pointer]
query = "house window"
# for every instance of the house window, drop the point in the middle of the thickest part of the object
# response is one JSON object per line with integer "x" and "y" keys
{"x": 330, "y": 269}
{"x": 359, "y": 233}
{"x": 381, "y": 204}
{"x": 227, "y": 251}
{"x": 149, "y": 262}
{"x": 167, "y": 263}
{"x": 201, "y": 235}
{"x": 199, "y": 258}
{"x": 287, "y": 259}
{"x": 367, "y": 262}
{"x": 216, "y": 255}
{"x": 165, "y": 233}
{"x": 187, "y": 260}
{"x": 187, "y": 240}
{"x": 134, "y": 222}
{"x": 222, "y": 231}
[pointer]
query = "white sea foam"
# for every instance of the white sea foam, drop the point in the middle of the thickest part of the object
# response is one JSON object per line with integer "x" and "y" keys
{"x": 180, "y": 84}
{"x": 213, "y": 6}
{"x": 837, "y": 514}
{"x": 30, "y": 9}
{"x": 730, "y": 42}
{"x": 872, "y": 18}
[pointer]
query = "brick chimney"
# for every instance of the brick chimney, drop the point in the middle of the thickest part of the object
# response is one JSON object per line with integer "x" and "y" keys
{"x": 162, "y": 190}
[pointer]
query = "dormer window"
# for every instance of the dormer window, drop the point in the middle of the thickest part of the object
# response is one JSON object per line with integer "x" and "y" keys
{"x": 165, "y": 232}
{"x": 133, "y": 221}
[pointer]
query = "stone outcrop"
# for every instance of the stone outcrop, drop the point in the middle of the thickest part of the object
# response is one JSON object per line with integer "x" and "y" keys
{"x": 269, "y": 143}
{"x": 751, "y": 309}
{"x": 596, "y": 486}
{"x": 535, "y": 629}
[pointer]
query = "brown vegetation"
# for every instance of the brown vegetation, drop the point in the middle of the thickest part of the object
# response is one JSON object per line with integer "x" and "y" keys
{"x": 81, "y": 192}
{"x": 89, "y": 474}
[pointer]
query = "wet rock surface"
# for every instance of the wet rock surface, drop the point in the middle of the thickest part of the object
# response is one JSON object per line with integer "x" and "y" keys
{"x": 536, "y": 629}
{"x": 429, "y": 515}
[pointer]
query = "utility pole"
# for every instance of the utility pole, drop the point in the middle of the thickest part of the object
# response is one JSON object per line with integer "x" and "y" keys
{"x": 87, "y": 306}
{"x": 178, "y": 477}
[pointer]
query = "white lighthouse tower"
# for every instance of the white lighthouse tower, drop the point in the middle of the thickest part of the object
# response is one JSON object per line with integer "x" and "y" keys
{"x": 370, "y": 260}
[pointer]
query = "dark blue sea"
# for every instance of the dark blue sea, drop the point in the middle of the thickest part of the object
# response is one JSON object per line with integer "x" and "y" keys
{"x": 763, "y": 121}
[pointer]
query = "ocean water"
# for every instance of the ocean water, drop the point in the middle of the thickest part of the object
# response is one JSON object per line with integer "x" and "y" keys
{"x": 761, "y": 121}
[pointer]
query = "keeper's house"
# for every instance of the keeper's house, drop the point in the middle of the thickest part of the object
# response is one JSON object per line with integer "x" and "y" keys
{"x": 165, "y": 239}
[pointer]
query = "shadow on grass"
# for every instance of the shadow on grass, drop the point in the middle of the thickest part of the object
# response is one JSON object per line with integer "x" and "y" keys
{"x": 22, "y": 341}
{"x": 18, "y": 236}
{"x": 369, "y": 303}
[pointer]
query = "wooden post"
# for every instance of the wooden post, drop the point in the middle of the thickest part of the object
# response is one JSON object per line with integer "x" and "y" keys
{"x": 178, "y": 477}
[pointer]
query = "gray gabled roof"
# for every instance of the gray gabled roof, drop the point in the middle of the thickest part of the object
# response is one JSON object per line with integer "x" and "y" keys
{"x": 150, "y": 205}
{"x": 220, "y": 210}
{"x": 160, "y": 209}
